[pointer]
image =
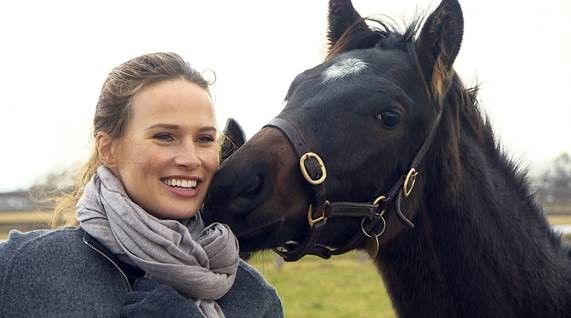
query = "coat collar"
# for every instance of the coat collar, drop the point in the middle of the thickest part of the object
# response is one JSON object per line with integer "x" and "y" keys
{"x": 132, "y": 272}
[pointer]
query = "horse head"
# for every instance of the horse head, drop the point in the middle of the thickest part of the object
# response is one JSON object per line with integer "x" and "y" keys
{"x": 345, "y": 157}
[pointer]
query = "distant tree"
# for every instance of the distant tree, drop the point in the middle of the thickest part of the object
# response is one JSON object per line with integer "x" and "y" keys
{"x": 53, "y": 185}
{"x": 554, "y": 184}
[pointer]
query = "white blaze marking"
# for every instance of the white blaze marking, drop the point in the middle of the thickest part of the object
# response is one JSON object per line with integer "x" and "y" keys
{"x": 344, "y": 68}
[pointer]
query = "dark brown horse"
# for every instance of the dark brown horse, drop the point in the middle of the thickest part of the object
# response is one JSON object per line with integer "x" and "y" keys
{"x": 381, "y": 147}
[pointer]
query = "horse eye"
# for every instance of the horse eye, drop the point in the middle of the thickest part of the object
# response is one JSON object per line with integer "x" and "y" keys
{"x": 390, "y": 119}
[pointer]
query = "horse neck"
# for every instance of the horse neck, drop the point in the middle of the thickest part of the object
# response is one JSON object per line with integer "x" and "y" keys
{"x": 480, "y": 248}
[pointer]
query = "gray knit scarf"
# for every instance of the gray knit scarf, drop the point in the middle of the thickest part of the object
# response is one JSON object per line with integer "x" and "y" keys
{"x": 198, "y": 261}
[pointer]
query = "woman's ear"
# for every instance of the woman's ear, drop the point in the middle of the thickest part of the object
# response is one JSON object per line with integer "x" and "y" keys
{"x": 106, "y": 149}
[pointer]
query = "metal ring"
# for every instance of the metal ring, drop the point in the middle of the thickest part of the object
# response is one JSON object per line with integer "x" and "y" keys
{"x": 379, "y": 199}
{"x": 377, "y": 234}
{"x": 310, "y": 218}
{"x": 304, "y": 172}
{"x": 409, "y": 182}
{"x": 374, "y": 252}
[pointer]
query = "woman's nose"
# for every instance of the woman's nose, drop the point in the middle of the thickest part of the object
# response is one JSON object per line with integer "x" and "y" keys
{"x": 187, "y": 157}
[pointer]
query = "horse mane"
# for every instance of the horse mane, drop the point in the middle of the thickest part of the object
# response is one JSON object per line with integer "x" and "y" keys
{"x": 478, "y": 126}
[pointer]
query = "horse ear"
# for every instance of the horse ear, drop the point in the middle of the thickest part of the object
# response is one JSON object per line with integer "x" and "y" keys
{"x": 343, "y": 16}
{"x": 439, "y": 42}
{"x": 234, "y": 138}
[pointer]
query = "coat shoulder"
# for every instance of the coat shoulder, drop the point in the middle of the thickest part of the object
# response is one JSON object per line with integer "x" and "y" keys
{"x": 46, "y": 270}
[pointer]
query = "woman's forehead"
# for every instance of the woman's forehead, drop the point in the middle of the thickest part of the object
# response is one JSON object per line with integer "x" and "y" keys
{"x": 177, "y": 101}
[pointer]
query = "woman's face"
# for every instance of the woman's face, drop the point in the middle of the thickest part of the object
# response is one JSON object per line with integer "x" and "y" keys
{"x": 168, "y": 153}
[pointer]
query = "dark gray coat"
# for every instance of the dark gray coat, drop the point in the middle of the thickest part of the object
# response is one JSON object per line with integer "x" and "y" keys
{"x": 65, "y": 273}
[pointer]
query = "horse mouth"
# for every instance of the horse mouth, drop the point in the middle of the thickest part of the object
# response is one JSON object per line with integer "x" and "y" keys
{"x": 260, "y": 238}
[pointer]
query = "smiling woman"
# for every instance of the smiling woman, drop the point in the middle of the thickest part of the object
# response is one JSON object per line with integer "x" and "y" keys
{"x": 168, "y": 152}
{"x": 140, "y": 233}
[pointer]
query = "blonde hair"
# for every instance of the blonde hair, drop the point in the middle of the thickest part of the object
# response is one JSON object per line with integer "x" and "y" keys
{"x": 113, "y": 110}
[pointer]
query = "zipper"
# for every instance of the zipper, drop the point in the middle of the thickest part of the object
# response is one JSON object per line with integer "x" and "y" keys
{"x": 112, "y": 262}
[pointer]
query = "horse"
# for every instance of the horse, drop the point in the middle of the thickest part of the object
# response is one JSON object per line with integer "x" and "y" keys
{"x": 381, "y": 147}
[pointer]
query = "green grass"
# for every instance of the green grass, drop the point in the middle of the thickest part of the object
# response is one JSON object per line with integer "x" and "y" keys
{"x": 345, "y": 286}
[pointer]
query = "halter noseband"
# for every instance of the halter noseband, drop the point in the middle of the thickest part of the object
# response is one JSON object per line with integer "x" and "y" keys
{"x": 373, "y": 223}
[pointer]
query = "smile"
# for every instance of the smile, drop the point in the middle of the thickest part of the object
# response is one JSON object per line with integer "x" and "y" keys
{"x": 181, "y": 183}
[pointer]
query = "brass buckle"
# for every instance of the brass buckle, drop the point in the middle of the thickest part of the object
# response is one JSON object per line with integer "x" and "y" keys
{"x": 304, "y": 172}
{"x": 310, "y": 218}
{"x": 409, "y": 181}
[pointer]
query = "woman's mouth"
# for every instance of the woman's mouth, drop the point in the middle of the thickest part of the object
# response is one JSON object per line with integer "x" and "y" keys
{"x": 180, "y": 183}
{"x": 182, "y": 186}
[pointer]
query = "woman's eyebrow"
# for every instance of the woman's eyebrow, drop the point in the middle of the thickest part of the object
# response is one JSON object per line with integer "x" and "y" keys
{"x": 208, "y": 128}
{"x": 175, "y": 127}
{"x": 162, "y": 125}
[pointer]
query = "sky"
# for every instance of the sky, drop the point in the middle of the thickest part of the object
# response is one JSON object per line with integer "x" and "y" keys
{"x": 55, "y": 56}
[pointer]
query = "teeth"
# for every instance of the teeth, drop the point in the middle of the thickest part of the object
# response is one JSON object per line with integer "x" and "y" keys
{"x": 181, "y": 183}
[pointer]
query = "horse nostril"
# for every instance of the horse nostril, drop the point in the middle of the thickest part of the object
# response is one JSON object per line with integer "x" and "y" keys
{"x": 251, "y": 195}
{"x": 253, "y": 188}
{"x": 238, "y": 191}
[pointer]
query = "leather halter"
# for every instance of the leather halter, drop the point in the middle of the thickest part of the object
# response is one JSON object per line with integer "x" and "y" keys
{"x": 373, "y": 223}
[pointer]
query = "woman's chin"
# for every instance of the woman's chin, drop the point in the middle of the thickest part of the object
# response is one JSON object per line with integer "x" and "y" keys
{"x": 173, "y": 213}
{"x": 183, "y": 215}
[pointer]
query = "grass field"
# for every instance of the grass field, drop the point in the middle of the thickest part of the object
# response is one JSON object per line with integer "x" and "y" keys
{"x": 25, "y": 217}
{"x": 557, "y": 209}
{"x": 23, "y": 221}
{"x": 345, "y": 286}
{"x": 559, "y": 219}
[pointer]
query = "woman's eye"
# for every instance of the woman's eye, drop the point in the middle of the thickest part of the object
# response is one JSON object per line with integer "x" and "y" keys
{"x": 206, "y": 139}
{"x": 164, "y": 137}
{"x": 390, "y": 119}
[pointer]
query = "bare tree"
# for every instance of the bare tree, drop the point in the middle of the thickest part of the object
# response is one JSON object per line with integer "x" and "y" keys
{"x": 554, "y": 184}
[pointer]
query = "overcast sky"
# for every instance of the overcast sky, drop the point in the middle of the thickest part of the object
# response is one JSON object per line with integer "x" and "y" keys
{"x": 55, "y": 55}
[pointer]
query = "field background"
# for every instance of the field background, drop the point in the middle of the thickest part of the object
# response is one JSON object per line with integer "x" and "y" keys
{"x": 342, "y": 287}
{"x": 346, "y": 286}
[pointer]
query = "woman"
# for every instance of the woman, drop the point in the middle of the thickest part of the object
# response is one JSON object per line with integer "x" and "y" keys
{"x": 141, "y": 249}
